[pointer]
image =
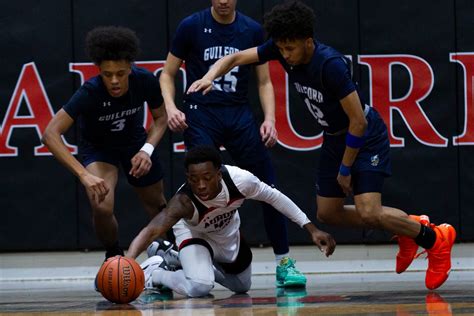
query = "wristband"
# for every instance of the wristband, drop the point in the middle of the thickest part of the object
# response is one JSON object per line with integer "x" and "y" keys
{"x": 344, "y": 170}
{"x": 148, "y": 148}
{"x": 354, "y": 141}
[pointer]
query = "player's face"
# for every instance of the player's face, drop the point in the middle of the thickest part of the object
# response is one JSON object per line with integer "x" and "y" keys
{"x": 205, "y": 180}
{"x": 115, "y": 74}
{"x": 296, "y": 51}
{"x": 224, "y": 8}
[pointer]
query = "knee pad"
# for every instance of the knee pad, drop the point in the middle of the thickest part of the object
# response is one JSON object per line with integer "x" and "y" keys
{"x": 197, "y": 289}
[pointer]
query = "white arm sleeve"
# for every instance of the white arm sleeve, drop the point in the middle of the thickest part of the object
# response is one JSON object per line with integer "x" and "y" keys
{"x": 252, "y": 188}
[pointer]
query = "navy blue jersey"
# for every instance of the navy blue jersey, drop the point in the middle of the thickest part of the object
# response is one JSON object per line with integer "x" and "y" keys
{"x": 321, "y": 83}
{"x": 201, "y": 41}
{"x": 110, "y": 121}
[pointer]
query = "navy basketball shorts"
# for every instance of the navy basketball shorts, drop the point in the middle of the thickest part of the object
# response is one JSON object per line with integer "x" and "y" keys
{"x": 233, "y": 127}
{"x": 122, "y": 156}
{"x": 370, "y": 168}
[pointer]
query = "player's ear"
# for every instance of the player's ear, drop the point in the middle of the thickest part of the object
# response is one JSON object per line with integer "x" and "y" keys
{"x": 308, "y": 42}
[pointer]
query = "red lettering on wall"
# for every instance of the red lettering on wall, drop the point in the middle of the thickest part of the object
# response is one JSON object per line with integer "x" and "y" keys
{"x": 467, "y": 62}
{"x": 409, "y": 106}
{"x": 29, "y": 88}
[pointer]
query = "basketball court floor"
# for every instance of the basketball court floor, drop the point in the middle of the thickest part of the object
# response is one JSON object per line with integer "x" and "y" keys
{"x": 357, "y": 281}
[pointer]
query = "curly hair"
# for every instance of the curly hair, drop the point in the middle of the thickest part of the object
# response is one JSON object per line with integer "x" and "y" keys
{"x": 290, "y": 20}
{"x": 112, "y": 43}
{"x": 200, "y": 154}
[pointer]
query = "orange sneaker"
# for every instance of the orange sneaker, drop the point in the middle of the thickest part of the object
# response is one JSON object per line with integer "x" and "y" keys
{"x": 408, "y": 247}
{"x": 436, "y": 305}
{"x": 439, "y": 256}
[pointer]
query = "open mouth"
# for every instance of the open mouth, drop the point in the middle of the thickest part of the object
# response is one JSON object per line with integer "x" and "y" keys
{"x": 203, "y": 196}
{"x": 116, "y": 90}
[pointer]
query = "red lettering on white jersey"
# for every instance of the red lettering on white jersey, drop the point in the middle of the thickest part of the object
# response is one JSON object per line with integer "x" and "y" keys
{"x": 467, "y": 62}
{"x": 29, "y": 88}
{"x": 409, "y": 106}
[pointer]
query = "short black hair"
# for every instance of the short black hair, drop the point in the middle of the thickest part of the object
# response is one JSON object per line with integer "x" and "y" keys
{"x": 289, "y": 21}
{"x": 112, "y": 43}
{"x": 200, "y": 154}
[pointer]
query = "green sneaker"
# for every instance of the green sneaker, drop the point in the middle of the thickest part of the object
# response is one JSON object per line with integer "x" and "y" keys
{"x": 287, "y": 275}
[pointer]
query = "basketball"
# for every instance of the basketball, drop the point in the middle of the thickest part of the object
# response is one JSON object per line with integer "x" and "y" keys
{"x": 120, "y": 280}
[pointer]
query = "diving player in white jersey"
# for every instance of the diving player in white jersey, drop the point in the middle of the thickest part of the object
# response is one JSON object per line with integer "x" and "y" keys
{"x": 205, "y": 221}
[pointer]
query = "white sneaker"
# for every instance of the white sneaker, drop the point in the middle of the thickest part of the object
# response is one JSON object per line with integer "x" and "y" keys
{"x": 159, "y": 247}
{"x": 165, "y": 249}
{"x": 148, "y": 266}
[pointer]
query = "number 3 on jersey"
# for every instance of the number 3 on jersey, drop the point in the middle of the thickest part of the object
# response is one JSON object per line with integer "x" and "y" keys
{"x": 118, "y": 125}
{"x": 228, "y": 82}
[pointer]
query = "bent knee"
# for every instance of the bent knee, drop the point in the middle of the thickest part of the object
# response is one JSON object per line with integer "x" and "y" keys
{"x": 371, "y": 216}
{"x": 242, "y": 287}
{"x": 197, "y": 289}
{"x": 327, "y": 216}
{"x": 322, "y": 217}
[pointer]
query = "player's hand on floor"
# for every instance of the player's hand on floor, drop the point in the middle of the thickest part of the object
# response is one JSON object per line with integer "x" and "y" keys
{"x": 141, "y": 164}
{"x": 176, "y": 120}
{"x": 269, "y": 133}
{"x": 95, "y": 186}
{"x": 203, "y": 85}
{"x": 324, "y": 241}
{"x": 345, "y": 183}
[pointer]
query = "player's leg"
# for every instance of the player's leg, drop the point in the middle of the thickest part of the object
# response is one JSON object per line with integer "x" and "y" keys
{"x": 373, "y": 214}
{"x": 236, "y": 276}
{"x": 238, "y": 283}
{"x": 437, "y": 240}
{"x": 369, "y": 169}
{"x": 103, "y": 218}
{"x": 152, "y": 198}
{"x": 196, "y": 279}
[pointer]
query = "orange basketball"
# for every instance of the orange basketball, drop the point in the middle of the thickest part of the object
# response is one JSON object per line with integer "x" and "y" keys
{"x": 120, "y": 279}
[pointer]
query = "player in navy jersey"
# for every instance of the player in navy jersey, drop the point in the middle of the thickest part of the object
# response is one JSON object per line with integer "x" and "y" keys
{"x": 109, "y": 109}
{"x": 224, "y": 118}
{"x": 355, "y": 151}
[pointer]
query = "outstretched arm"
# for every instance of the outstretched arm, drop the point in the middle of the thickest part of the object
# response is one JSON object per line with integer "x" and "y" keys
{"x": 258, "y": 190}
{"x": 180, "y": 206}
{"x": 223, "y": 66}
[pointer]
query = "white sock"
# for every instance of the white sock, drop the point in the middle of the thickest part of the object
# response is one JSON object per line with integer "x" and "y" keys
{"x": 279, "y": 257}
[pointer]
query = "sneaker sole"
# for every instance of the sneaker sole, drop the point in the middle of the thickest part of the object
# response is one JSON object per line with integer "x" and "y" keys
{"x": 291, "y": 284}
